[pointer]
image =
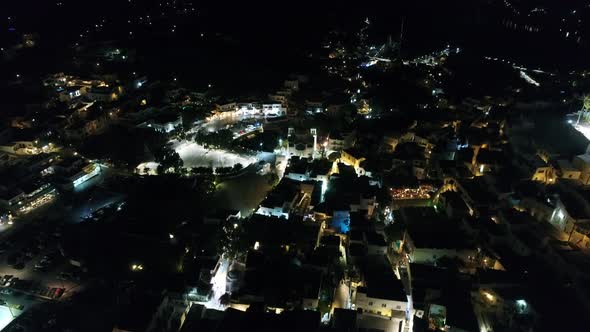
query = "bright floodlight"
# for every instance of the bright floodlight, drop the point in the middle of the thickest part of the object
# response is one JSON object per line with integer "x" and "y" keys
{"x": 5, "y": 317}
{"x": 584, "y": 129}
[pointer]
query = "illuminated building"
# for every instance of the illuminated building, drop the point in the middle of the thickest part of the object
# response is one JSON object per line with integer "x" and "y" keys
{"x": 363, "y": 107}
{"x": 291, "y": 197}
{"x": 352, "y": 157}
{"x": 163, "y": 123}
{"x": 423, "y": 191}
{"x": 70, "y": 93}
{"x": 582, "y": 162}
{"x": 104, "y": 93}
{"x": 89, "y": 171}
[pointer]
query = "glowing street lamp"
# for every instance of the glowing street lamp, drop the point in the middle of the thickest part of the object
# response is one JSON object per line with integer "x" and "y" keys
{"x": 136, "y": 267}
{"x": 489, "y": 296}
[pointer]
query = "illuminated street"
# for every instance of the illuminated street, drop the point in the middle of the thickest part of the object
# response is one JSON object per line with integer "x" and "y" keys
{"x": 218, "y": 282}
{"x": 195, "y": 155}
{"x": 342, "y": 298}
{"x": 583, "y": 128}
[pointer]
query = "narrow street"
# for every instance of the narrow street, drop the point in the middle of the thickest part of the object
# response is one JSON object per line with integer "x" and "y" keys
{"x": 219, "y": 282}
{"x": 342, "y": 297}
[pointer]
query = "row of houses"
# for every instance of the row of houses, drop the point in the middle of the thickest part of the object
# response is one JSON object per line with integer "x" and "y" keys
{"x": 47, "y": 175}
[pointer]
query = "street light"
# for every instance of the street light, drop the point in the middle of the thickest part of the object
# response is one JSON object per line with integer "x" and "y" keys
{"x": 136, "y": 267}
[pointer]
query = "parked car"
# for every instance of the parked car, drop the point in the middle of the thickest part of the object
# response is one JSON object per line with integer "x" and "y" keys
{"x": 40, "y": 267}
{"x": 58, "y": 293}
{"x": 5, "y": 279}
{"x": 11, "y": 282}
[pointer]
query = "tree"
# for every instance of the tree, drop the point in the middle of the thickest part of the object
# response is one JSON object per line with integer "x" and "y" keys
{"x": 273, "y": 179}
{"x": 180, "y": 132}
{"x": 384, "y": 197}
{"x": 223, "y": 170}
{"x": 224, "y": 299}
{"x": 168, "y": 159}
{"x": 201, "y": 171}
{"x": 233, "y": 241}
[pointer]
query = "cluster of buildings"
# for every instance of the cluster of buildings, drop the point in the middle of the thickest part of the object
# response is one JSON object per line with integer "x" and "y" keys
{"x": 29, "y": 182}
{"x": 265, "y": 110}
{"x": 380, "y": 221}
{"x": 37, "y": 153}
{"x": 434, "y": 223}
{"x": 273, "y": 110}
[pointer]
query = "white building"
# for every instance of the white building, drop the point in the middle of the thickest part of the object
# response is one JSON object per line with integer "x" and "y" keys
{"x": 163, "y": 124}
{"x": 88, "y": 172}
{"x": 278, "y": 205}
{"x": 379, "y": 304}
{"x": 273, "y": 110}
{"x": 229, "y": 107}
{"x": 70, "y": 93}
{"x": 248, "y": 108}
{"x": 21, "y": 148}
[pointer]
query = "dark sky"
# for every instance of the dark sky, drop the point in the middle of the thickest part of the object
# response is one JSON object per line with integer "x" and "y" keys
{"x": 429, "y": 24}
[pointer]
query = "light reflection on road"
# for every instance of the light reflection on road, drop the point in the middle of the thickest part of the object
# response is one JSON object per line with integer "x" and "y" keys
{"x": 219, "y": 286}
